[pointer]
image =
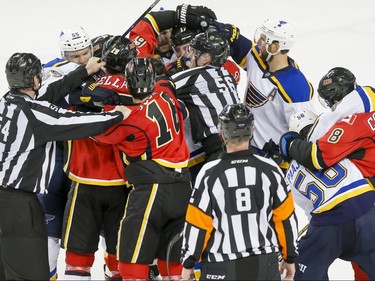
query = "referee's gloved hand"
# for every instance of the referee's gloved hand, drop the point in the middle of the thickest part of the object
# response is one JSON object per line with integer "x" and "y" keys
{"x": 284, "y": 144}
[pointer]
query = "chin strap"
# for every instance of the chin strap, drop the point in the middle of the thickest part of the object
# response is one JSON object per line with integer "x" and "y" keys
{"x": 269, "y": 56}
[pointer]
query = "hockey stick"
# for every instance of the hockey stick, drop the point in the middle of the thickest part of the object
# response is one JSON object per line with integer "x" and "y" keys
{"x": 131, "y": 27}
{"x": 173, "y": 241}
{"x": 299, "y": 235}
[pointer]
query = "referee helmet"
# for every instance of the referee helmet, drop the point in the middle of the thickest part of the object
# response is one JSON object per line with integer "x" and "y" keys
{"x": 21, "y": 69}
{"x": 236, "y": 121}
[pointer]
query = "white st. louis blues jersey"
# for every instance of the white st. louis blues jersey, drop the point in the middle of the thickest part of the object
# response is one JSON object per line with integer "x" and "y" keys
{"x": 326, "y": 188}
{"x": 55, "y": 70}
{"x": 361, "y": 99}
{"x": 274, "y": 97}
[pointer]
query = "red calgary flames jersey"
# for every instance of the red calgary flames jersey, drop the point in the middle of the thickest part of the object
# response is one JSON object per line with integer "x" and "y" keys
{"x": 91, "y": 162}
{"x": 153, "y": 130}
{"x": 354, "y": 138}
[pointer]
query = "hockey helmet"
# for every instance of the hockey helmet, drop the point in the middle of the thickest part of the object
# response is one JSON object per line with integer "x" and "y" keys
{"x": 212, "y": 43}
{"x": 140, "y": 77}
{"x": 335, "y": 85}
{"x": 21, "y": 69}
{"x": 98, "y": 42}
{"x": 182, "y": 35}
{"x": 117, "y": 52}
{"x": 300, "y": 122}
{"x": 236, "y": 121}
{"x": 73, "y": 39}
{"x": 280, "y": 30}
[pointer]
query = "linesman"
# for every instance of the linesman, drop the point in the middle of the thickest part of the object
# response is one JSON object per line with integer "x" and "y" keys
{"x": 241, "y": 213}
{"x": 28, "y": 131}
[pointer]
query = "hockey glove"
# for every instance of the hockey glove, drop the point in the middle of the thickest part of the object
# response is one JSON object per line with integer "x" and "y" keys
{"x": 229, "y": 31}
{"x": 271, "y": 150}
{"x": 195, "y": 17}
{"x": 284, "y": 144}
{"x": 93, "y": 96}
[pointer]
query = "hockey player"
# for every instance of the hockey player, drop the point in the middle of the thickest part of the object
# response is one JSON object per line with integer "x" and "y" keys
{"x": 315, "y": 203}
{"x": 181, "y": 38}
{"x": 340, "y": 176}
{"x": 153, "y": 146}
{"x": 76, "y": 49}
{"x": 241, "y": 212}
{"x": 29, "y": 128}
{"x": 98, "y": 195}
{"x": 276, "y": 87}
{"x": 338, "y": 90}
{"x": 145, "y": 34}
{"x": 164, "y": 47}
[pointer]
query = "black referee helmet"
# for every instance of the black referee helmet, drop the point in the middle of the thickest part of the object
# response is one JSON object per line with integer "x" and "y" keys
{"x": 236, "y": 121}
{"x": 21, "y": 69}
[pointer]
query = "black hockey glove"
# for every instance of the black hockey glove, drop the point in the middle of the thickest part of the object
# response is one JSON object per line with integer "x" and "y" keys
{"x": 271, "y": 150}
{"x": 96, "y": 96}
{"x": 195, "y": 17}
{"x": 284, "y": 144}
{"x": 229, "y": 31}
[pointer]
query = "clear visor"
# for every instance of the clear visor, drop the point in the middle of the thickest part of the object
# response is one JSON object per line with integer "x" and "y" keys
{"x": 259, "y": 37}
{"x": 323, "y": 102}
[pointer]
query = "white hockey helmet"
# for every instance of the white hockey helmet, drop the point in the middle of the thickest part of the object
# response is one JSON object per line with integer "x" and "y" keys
{"x": 299, "y": 120}
{"x": 280, "y": 30}
{"x": 73, "y": 39}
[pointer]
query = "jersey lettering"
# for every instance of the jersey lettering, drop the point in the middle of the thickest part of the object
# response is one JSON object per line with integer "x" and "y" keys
{"x": 324, "y": 179}
{"x": 371, "y": 122}
{"x": 335, "y": 135}
{"x": 243, "y": 201}
{"x": 5, "y": 125}
{"x": 155, "y": 114}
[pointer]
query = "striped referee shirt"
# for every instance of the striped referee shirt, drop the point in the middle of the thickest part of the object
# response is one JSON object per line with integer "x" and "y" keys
{"x": 240, "y": 207}
{"x": 29, "y": 129}
{"x": 205, "y": 91}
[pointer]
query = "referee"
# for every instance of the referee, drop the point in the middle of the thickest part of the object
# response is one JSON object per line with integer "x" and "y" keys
{"x": 241, "y": 213}
{"x": 28, "y": 131}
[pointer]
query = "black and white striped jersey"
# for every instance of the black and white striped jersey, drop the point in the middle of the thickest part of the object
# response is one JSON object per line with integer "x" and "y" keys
{"x": 205, "y": 91}
{"x": 28, "y": 131}
{"x": 240, "y": 206}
